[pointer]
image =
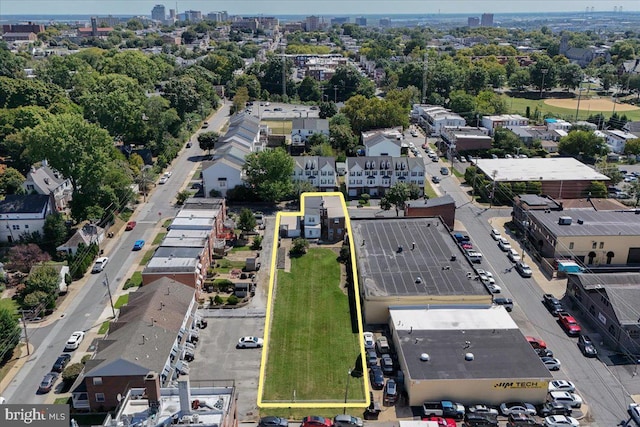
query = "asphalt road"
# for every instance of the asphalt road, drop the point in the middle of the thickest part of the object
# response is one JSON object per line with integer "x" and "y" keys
{"x": 84, "y": 312}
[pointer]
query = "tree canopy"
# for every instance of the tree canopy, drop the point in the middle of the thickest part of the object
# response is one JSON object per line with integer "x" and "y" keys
{"x": 268, "y": 173}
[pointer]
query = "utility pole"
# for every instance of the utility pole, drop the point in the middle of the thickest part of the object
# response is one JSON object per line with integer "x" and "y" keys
{"x": 579, "y": 96}
{"x": 425, "y": 68}
{"x": 106, "y": 283}
{"x": 544, "y": 73}
{"x": 26, "y": 334}
{"x": 335, "y": 94}
{"x": 284, "y": 73}
{"x": 493, "y": 189}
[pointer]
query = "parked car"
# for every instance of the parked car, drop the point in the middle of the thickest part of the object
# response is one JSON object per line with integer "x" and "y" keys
{"x": 543, "y": 352}
{"x": 390, "y": 395}
{"x": 382, "y": 345}
{"x": 74, "y": 341}
{"x": 347, "y": 421}
{"x": 561, "y": 385}
{"x": 387, "y": 364}
{"x": 516, "y": 407}
{"x": 524, "y": 270}
{"x": 569, "y": 324}
{"x": 553, "y": 304}
{"x": 586, "y": 346}
{"x": 189, "y": 144}
{"x": 554, "y": 408}
{"x": 205, "y": 125}
{"x": 435, "y": 179}
{"x": 372, "y": 357}
{"x": 250, "y": 342}
{"x": 480, "y": 420}
{"x": 441, "y": 422}
{"x": 139, "y": 244}
{"x": 513, "y": 255}
{"x": 369, "y": 342}
{"x": 561, "y": 421}
{"x": 314, "y": 421}
{"x": 485, "y": 276}
{"x": 482, "y": 409}
{"x": 443, "y": 408}
{"x": 566, "y": 398}
{"x": 551, "y": 363}
{"x": 536, "y": 342}
{"x": 504, "y": 244}
{"x": 47, "y": 382}
{"x": 634, "y": 412}
{"x": 493, "y": 288}
{"x": 444, "y": 170}
{"x": 495, "y": 234}
{"x": 130, "y": 226}
{"x": 61, "y": 362}
{"x": 521, "y": 419}
{"x": 506, "y": 302}
{"x": 273, "y": 422}
{"x": 377, "y": 377}
{"x": 100, "y": 264}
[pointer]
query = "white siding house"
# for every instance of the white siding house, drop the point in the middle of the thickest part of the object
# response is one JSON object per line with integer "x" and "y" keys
{"x": 44, "y": 180}
{"x": 303, "y": 127}
{"x": 379, "y": 144}
{"x": 24, "y": 214}
{"x": 374, "y": 175}
{"x": 317, "y": 171}
{"x": 221, "y": 175}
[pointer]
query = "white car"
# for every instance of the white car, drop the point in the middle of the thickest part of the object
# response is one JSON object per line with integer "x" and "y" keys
{"x": 168, "y": 174}
{"x": 493, "y": 288}
{"x": 568, "y": 399}
{"x": 163, "y": 180}
{"x": 100, "y": 264}
{"x": 486, "y": 276}
{"x": 561, "y": 421}
{"x": 369, "y": 342}
{"x": 513, "y": 255}
{"x": 250, "y": 342}
{"x": 495, "y": 234}
{"x": 551, "y": 363}
{"x": 482, "y": 409}
{"x": 515, "y": 407}
{"x": 561, "y": 385}
{"x": 504, "y": 244}
{"x": 74, "y": 340}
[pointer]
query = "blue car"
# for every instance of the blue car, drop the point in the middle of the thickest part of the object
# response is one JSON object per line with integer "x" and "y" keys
{"x": 138, "y": 245}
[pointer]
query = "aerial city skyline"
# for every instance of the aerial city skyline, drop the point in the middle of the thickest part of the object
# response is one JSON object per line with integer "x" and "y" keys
{"x": 291, "y": 7}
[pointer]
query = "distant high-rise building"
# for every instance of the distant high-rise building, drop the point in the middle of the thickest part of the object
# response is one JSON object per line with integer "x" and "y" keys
{"x": 473, "y": 22}
{"x": 158, "y": 13}
{"x": 384, "y": 22}
{"x": 108, "y": 21}
{"x": 361, "y": 21}
{"x": 172, "y": 15}
{"x": 340, "y": 21}
{"x": 486, "y": 20}
{"x": 193, "y": 15}
{"x": 218, "y": 16}
{"x": 312, "y": 23}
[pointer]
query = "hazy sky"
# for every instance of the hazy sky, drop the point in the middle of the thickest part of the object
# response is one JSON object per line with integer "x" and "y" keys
{"x": 307, "y": 7}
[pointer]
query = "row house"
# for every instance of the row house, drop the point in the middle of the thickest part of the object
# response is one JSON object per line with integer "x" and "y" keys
{"x": 434, "y": 118}
{"x": 503, "y": 120}
{"x": 318, "y": 171}
{"x": 375, "y": 175}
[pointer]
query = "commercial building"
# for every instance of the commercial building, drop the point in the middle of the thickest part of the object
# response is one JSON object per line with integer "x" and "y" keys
{"x": 473, "y": 22}
{"x": 434, "y": 118}
{"x": 561, "y": 178}
{"x": 23, "y": 28}
{"x": 609, "y": 302}
{"x": 312, "y": 23}
{"x": 503, "y": 120}
{"x": 361, "y": 21}
{"x": 486, "y": 20}
{"x": 443, "y": 207}
{"x": 409, "y": 262}
{"x": 588, "y": 236}
{"x": 473, "y": 354}
{"x": 159, "y": 13}
{"x": 467, "y": 138}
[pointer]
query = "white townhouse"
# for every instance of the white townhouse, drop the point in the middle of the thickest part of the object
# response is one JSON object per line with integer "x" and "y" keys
{"x": 24, "y": 214}
{"x": 374, "y": 175}
{"x": 303, "y": 127}
{"x": 381, "y": 144}
{"x": 318, "y": 171}
{"x": 617, "y": 139}
{"x": 311, "y": 222}
{"x": 434, "y": 118}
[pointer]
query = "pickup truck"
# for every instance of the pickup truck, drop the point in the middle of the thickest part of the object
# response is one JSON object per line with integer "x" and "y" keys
{"x": 444, "y": 408}
{"x": 569, "y": 324}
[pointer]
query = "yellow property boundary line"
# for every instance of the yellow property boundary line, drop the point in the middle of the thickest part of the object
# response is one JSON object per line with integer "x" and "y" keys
{"x": 267, "y": 332}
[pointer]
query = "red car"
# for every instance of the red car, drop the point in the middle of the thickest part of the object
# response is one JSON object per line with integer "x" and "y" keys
{"x": 569, "y": 324}
{"x": 130, "y": 226}
{"x": 444, "y": 422}
{"x": 536, "y": 342}
{"x": 314, "y": 421}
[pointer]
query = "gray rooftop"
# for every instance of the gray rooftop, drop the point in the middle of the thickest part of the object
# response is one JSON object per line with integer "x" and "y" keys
{"x": 595, "y": 223}
{"x": 384, "y": 271}
{"x": 623, "y": 290}
{"x": 215, "y": 203}
{"x": 427, "y": 203}
{"x": 498, "y": 353}
{"x": 539, "y": 169}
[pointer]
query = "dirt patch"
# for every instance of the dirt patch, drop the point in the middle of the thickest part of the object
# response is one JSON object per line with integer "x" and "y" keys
{"x": 590, "y": 104}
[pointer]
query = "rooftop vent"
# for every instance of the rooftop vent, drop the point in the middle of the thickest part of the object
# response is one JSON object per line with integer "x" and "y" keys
{"x": 424, "y": 357}
{"x": 468, "y": 357}
{"x": 580, "y": 221}
{"x": 564, "y": 220}
{"x": 418, "y": 279}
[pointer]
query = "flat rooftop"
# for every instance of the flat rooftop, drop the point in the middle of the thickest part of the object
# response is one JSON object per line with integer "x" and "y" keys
{"x": 384, "y": 271}
{"x": 497, "y": 352}
{"x": 594, "y": 223}
{"x": 543, "y": 169}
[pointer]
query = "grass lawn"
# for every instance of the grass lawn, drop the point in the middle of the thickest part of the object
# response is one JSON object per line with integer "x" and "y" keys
{"x": 134, "y": 281}
{"x": 62, "y": 400}
{"x": 147, "y": 256}
{"x": 104, "y": 327}
{"x": 9, "y": 304}
{"x": 11, "y": 361}
{"x": 429, "y": 191}
{"x": 240, "y": 248}
{"x": 279, "y": 127}
{"x": 311, "y": 343}
{"x": 158, "y": 239}
{"x": 519, "y": 106}
{"x": 167, "y": 222}
{"x": 122, "y": 300}
{"x": 226, "y": 266}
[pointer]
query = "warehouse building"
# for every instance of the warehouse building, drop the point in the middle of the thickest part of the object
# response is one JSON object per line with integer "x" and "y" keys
{"x": 468, "y": 354}
{"x": 408, "y": 262}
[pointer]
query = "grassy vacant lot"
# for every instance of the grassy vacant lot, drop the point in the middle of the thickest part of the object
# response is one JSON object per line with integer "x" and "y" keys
{"x": 311, "y": 344}
{"x": 519, "y": 106}
{"x": 279, "y": 127}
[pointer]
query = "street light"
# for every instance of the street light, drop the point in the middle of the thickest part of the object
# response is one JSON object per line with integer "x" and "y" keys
{"x": 544, "y": 72}
{"x": 346, "y": 391}
{"x": 106, "y": 283}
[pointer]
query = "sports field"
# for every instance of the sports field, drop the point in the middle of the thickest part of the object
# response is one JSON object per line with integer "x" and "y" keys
{"x": 311, "y": 346}
{"x": 566, "y": 108}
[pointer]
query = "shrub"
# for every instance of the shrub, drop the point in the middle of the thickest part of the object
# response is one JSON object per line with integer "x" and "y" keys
{"x": 366, "y": 197}
{"x": 299, "y": 247}
{"x": 222, "y": 284}
{"x": 217, "y": 300}
{"x": 85, "y": 358}
{"x": 72, "y": 372}
{"x": 257, "y": 242}
{"x": 233, "y": 300}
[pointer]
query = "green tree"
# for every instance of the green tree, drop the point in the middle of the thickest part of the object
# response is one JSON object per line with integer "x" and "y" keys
{"x": 347, "y": 82}
{"x": 182, "y": 93}
{"x": 55, "y": 230}
{"x": 582, "y": 142}
{"x": 269, "y": 174}
{"x": 208, "y": 140}
{"x": 543, "y": 72}
{"x": 570, "y": 76}
{"x": 327, "y": 110}
{"x": 9, "y": 331}
{"x": 519, "y": 79}
{"x": 299, "y": 247}
{"x": 10, "y": 65}
{"x": 318, "y": 139}
{"x": 309, "y": 90}
{"x": 596, "y": 189}
{"x": 247, "y": 220}
{"x": 240, "y": 99}
{"x": 23, "y": 257}
{"x": 11, "y": 181}
{"x": 632, "y": 146}
{"x": 633, "y": 189}
{"x": 182, "y": 197}
{"x": 72, "y": 372}
{"x": 398, "y": 195}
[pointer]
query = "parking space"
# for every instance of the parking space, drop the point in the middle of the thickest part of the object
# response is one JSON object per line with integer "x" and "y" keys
{"x": 217, "y": 359}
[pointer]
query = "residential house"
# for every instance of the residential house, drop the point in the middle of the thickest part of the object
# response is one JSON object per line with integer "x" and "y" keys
{"x": 311, "y": 220}
{"x": 503, "y": 120}
{"x": 374, "y": 175}
{"x": 333, "y": 219}
{"x": 221, "y": 175}
{"x": 460, "y": 139}
{"x": 553, "y": 124}
{"x": 245, "y": 130}
{"x": 86, "y": 235}
{"x": 617, "y": 139}
{"x": 381, "y": 144}
{"x": 443, "y": 207}
{"x": 303, "y": 127}
{"x": 632, "y": 127}
{"x": 156, "y": 331}
{"x": 318, "y": 171}
{"x": 24, "y": 214}
{"x": 608, "y": 302}
{"x": 44, "y": 180}
{"x": 289, "y": 226}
